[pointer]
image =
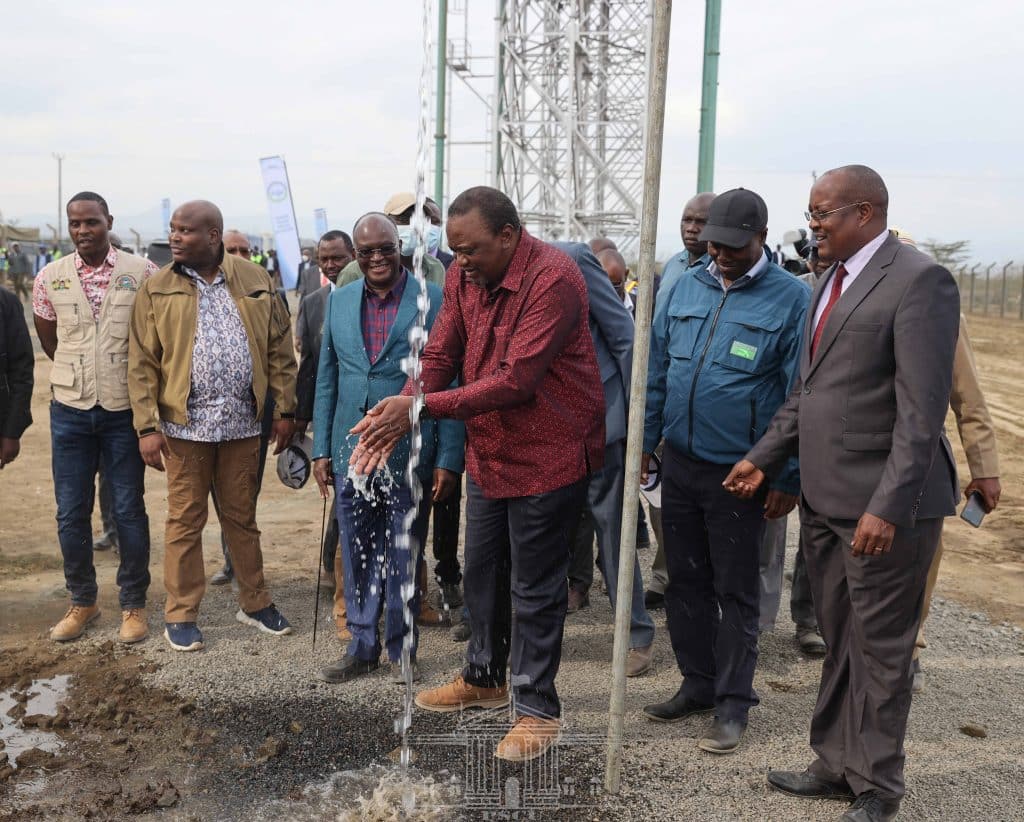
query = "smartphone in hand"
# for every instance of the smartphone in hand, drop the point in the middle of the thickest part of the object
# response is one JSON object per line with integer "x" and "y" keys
{"x": 974, "y": 510}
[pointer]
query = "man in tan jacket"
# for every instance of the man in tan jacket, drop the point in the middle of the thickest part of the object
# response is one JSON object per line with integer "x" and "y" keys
{"x": 81, "y": 305}
{"x": 209, "y": 337}
{"x": 978, "y": 436}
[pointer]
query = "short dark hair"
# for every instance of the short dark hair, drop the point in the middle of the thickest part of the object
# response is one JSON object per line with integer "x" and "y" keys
{"x": 334, "y": 234}
{"x": 90, "y": 196}
{"x": 496, "y": 208}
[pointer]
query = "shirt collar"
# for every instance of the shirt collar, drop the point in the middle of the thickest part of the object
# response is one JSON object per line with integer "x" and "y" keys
{"x": 396, "y": 290}
{"x": 759, "y": 268}
{"x": 855, "y": 264}
{"x": 110, "y": 261}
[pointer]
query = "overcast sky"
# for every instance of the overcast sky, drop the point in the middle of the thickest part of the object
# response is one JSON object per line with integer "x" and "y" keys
{"x": 152, "y": 100}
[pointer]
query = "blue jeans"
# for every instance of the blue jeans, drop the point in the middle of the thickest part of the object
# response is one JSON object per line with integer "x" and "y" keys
{"x": 84, "y": 441}
{"x": 376, "y": 568}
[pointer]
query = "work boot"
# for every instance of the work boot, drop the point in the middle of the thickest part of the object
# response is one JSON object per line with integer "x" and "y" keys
{"x": 639, "y": 660}
{"x": 134, "y": 627}
{"x": 105, "y": 543}
{"x": 347, "y": 668}
{"x": 723, "y": 736}
{"x": 222, "y": 577}
{"x": 451, "y": 595}
{"x": 72, "y": 624}
{"x": 578, "y": 600}
{"x": 530, "y": 737}
{"x": 810, "y": 641}
{"x": 429, "y": 617}
{"x": 653, "y": 601}
{"x": 459, "y": 694}
{"x": 396, "y": 675}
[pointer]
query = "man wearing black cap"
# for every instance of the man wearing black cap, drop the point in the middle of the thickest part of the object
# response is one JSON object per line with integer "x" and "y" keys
{"x": 724, "y": 350}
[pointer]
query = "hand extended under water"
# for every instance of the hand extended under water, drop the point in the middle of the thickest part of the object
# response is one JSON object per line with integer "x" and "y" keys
{"x": 379, "y": 432}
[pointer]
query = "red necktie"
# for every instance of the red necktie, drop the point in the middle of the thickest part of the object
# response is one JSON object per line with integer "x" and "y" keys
{"x": 833, "y": 298}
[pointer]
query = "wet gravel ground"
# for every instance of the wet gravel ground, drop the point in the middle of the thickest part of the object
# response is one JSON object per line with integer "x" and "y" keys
{"x": 274, "y": 730}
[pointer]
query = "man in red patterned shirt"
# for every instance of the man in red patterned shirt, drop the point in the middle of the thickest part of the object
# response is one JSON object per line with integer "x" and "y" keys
{"x": 513, "y": 324}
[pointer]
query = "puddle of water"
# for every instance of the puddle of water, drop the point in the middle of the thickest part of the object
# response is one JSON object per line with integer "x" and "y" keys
{"x": 374, "y": 794}
{"x": 44, "y": 696}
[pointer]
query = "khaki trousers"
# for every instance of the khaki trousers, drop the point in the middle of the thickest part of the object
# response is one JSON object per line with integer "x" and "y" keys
{"x": 929, "y": 588}
{"x": 193, "y": 468}
{"x": 339, "y": 590}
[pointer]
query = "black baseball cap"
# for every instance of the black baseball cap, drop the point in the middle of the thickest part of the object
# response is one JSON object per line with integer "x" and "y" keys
{"x": 735, "y": 217}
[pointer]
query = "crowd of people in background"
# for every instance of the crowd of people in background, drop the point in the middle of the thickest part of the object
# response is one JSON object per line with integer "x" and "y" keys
{"x": 818, "y": 383}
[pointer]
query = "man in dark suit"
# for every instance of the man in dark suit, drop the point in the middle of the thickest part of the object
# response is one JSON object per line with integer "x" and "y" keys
{"x": 307, "y": 280}
{"x": 334, "y": 252}
{"x": 877, "y": 478}
{"x": 611, "y": 328}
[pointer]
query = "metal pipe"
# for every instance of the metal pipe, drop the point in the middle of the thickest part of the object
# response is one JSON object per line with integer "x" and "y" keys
{"x": 138, "y": 240}
{"x": 970, "y": 305}
{"x": 442, "y": 79}
{"x": 1002, "y": 298}
{"x": 988, "y": 277}
{"x": 709, "y": 96}
{"x": 638, "y": 386}
{"x": 60, "y": 197}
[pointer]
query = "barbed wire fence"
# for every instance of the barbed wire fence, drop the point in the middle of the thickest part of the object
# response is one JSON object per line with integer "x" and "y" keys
{"x": 992, "y": 289}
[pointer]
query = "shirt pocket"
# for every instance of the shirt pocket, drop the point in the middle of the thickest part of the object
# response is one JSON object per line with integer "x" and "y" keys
{"x": 747, "y": 343}
{"x": 684, "y": 331}
{"x": 502, "y": 335}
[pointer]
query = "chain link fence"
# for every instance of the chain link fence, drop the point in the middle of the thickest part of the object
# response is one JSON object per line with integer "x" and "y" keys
{"x": 993, "y": 289}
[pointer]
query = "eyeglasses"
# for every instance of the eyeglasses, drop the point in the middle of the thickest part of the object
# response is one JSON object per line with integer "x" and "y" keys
{"x": 385, "y": 250}
{"x": 818, "y": 216}
{"x": 242, "y": 250}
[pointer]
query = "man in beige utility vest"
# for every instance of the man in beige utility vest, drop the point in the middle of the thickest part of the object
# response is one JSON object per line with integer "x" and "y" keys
{"x": 209, "y": 339}
{"x": 82, "y": 305}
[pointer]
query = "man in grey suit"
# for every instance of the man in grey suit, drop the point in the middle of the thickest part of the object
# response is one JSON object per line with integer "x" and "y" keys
{"x": 877, "y": 478}
{"x": 611, "y": 328}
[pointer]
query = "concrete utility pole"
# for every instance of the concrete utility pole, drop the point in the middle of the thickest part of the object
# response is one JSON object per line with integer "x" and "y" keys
{"x": 60, "y": 196}
{"x": 654, "y": 132}
{"x": 709, "y": 97}
{"x": 442, "y": 79}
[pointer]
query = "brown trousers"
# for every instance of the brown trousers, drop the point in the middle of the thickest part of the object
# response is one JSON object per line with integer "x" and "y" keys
{"x": 193, "y": 468}
{"x": 868, "y": 610}
{"x": 929, "y": 588}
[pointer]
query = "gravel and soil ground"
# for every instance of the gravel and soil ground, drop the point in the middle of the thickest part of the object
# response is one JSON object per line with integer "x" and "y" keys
{"x": 244, "y": 731}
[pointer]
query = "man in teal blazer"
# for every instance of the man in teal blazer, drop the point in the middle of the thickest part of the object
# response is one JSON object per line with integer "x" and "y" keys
{"x": 365, "y": 339}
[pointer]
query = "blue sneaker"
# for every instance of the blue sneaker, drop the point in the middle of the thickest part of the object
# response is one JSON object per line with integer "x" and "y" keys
{"x": 267, "y": 619}
{"x": 183, "y": 636}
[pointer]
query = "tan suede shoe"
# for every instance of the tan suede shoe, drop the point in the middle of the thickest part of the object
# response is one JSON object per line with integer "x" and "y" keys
{"x": 639, "y": 660}
{"x": 134, "y": 627}
{"x": 344, "y": 634}
{"x": 72, "y": 625}
{"x": 460, "y": 694}
{"x": 430, "y": 617}
{"x": 528, "y": 739}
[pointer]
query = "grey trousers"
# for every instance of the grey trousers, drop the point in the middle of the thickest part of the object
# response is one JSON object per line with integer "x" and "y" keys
{"x": 604, "y": 510}
{"x": 868, "y": 610}
{"x": 771, "y": 561}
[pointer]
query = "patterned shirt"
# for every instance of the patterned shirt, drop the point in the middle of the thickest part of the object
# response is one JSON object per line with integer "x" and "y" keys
{"x": 531, "y": 392}
{"x": 221, "y": 405}
{"x": 95, "y": 282}
{"x": 379, "y": 315}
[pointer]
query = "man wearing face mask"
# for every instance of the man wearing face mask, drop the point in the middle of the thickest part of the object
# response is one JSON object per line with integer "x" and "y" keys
{"x": 724, "y": 351}
{"x": 308, "y": 278}
{"x": 433, "y": 212}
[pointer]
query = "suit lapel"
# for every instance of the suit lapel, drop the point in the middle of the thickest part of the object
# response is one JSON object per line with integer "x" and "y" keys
{"x": 405, "y": 315}
{"x": 873, "y": 272}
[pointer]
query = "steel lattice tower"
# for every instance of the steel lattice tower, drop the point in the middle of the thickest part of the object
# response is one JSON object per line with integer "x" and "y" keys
{"x": 567, "y": 133}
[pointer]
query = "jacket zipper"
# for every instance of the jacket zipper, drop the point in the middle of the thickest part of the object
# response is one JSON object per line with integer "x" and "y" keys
{"x": 700, "y": 365}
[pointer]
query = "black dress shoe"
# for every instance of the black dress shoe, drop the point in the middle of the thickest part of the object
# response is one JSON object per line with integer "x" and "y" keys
{"x": 653, "y": 600}
{"x": 348, "y": 668}
{"x": 871, "y": 807}
{"x": 723, "y": 736}
{"x": 808, "y": 786}
{"x": 677, "y": 708}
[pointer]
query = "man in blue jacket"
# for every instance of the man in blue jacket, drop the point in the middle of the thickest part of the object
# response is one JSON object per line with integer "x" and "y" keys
{"x": 365, "y": 339}
{"x": 724, "y": 350}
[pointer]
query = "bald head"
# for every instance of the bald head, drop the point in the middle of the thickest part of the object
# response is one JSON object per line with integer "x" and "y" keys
{"x": 847, "y": 209}
{"x": 235, "y": 242}
{"x": 862, "y": 184}
{"x": 599, "y": 244}
{"x": 695, "y": 217}
{"x": 378, "y": 251}
{"x": 614, "y": 266}
{"x": 195, "y": 235}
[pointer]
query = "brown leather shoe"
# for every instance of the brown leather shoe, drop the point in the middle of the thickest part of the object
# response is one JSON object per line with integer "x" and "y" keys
{"x": 528, "y": 739}
{"x": 73, "y": 623}
{"x": 577, "y": 600}
{"x": 341, "y": 624}
{"x": 458, "y": 695}
{"x": 639, "y": 660}
{"x": 430, "y": 617}
{"x": 134, "y": 627}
